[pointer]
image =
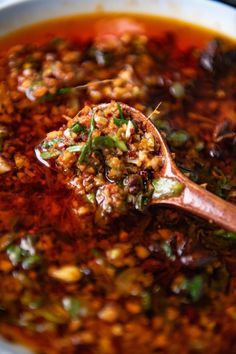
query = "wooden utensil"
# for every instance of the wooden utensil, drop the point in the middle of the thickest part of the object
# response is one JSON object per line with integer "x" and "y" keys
{"x": 193, "y": 198}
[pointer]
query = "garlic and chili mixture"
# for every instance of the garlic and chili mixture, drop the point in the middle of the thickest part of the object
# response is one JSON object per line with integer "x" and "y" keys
{"x": 158, "y": 282}
{"x": 108, "y": 158}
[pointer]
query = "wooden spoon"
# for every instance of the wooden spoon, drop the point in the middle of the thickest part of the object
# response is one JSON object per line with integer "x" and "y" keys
{"x": 193, "y": 198}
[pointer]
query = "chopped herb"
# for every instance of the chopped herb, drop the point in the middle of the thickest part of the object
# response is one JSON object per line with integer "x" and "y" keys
{"x": 75, "y": 307}
{"x": 162, "y": 125}
{"x": 223, "y": 183}
{"x": 47, "y": 155}
{"x": 51, "y": 96}
{"x": 194, "y": 287}
{"x": 91, "y": 197}
{"x": 147, "y": 300}
{"x": 178, "y": 138}
{"x": 75, "y": 148}
{"x": 168, "y": 250}
{"x": 63, "y": 90}
{"x": 120, "y": 144}
{"x": 141, "y": 202}
{"x": 226, "y": 234}
{"x": 177, "y": 90}
{"x": 119, "y": 121}
{"x": 120, "y": 111}
{"x": 77, "y": 127}
{"x": 101, "y": 142}
{"x": 48, "y": 97}
{"x": 14, "y": 254}
{"x": 88, "y": 146}
{"x": 31, "y": 261}
{"x": 167, "y": 187}
{"x": 50, "y": 316}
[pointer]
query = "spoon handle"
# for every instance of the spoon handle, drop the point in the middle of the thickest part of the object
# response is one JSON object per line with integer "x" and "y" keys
{"x": 199, "y": 201}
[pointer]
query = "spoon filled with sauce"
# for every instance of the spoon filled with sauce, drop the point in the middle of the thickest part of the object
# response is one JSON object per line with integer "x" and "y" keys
{"x": 115, "y": 158}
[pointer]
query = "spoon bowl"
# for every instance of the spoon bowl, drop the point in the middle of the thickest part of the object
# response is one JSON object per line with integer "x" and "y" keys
{"x": 194, "y": 198}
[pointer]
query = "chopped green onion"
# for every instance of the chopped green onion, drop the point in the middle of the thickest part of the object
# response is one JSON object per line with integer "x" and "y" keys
{"x": 101, "y": 142}
{"x": 75, "y": 148}
{"x": 51, "y": 96}
{"x": 147, "y": 300}
{"x": 46, "y": 98}
{"x": 120, "y": 111}
{"x": 14, "y": 254}
{"x": 72, "y": 306}
{"x": 47, "y": 155}
{"x": 141, "y": 202}
{"x": 162, "y": 125}
{"x": 50, "y": 316}
{"x": 167, "y": 187}
{"x": 177, "y": 90}
{"x": 75, "y": 307}
{"x": 88, "y": 146}
{"x": 194, "y": 287}
{"x": 77, "y": 127}
{"x": 226, "y": 234}
{"x": 91, "y": 197}
{"x": 120, "y": 144}
{"x": 178, "y": 138}
{"x": 168, "y": 250}
{"x": 31, "y": 261}
{"x": 119, "y": 122}
{"x": 63, "y": 90}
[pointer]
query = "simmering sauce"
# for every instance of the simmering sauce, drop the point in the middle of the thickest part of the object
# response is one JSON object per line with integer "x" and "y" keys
{"x": 161, "y": 281}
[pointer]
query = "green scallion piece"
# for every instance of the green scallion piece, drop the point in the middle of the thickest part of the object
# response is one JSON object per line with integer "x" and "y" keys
{"x": 120, "y": 111}
{"x": 101, "y": 142}
{"x": 47, "y": 155}
{"x": 77, "y": 128}
{"x": 119, "y": 122}
{"x": 120, "y": 144}
{"x": 91, "y": 198}
{"x": 194, "y": 287}
{"x": 167, "y": 187}
{"x": 75, "y": 148}
{"x": 31, "y": 261}
{"x": 51, "y": 96}
{"x": 178, "y": 138}
{"x": 64, "y": 90}
{"x": 88, "y": 146}
{"x": 14, "y": 254}
{"x": 75, "y": 307}
{"x": 226, "y": 234}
